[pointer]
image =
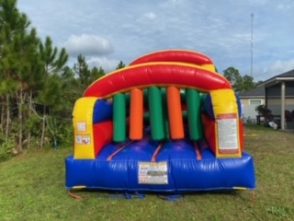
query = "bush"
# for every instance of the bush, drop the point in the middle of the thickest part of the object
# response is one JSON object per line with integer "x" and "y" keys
{"x": 263, "y": 111}
{"x": 6, "y": 148}
{"x": 60, "y": 132}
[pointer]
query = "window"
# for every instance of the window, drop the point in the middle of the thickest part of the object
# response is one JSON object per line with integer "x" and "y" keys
{"x": 255, "y": 102}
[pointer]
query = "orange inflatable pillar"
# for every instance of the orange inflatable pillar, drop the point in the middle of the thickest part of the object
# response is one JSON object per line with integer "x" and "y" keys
{"x": 175, "y": 113}
{"x": 136, "y": 114}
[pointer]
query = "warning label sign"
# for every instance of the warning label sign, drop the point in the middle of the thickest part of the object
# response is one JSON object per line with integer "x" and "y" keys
{"x": 83, "y": 139}
{"x": 82, "y": 126}
{"x": 227, "y": 130}
{"x": 153, "y": 173}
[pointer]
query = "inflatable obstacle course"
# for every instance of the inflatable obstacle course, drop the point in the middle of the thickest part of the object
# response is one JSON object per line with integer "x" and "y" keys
{"x": 166, "y": 123}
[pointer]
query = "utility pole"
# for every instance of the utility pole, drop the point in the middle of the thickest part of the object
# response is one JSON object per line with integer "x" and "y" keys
{"x": 251, "y": 46}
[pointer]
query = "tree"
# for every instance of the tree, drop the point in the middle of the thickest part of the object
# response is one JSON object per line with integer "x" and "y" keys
{"x": 248, "y": 83}
{"x": 35, "y": 86}
{"x": 97, "y": 73}
{"x": 83, "y": 72}
{"x": 239, "y": 83}
{"x": 26, "y": 71}
{"x": 233, "y": 75}
{"x": 53, "y": 63}
{"x": 37, "y": 90}
{"x": 18, "y": 44}
{"x": 120, "y": 65}
{"x": 86, "y": 75}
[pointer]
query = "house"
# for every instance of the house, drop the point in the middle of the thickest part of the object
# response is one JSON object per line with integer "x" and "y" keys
{"x": 277, "y": 93}
{"x": 279, "y": 98}
{"x": 249, "y": 101}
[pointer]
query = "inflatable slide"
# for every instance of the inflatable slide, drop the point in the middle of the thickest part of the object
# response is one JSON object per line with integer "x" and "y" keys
{"x": 168, "y": 122}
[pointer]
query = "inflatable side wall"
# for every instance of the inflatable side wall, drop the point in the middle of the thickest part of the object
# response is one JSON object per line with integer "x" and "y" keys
{"x": 167, "y": 110}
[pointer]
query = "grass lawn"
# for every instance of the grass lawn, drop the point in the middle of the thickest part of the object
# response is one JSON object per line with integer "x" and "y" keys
{"x": 32, "y": 188}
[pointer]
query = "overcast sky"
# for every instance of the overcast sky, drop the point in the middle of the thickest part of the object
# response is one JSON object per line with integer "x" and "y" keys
{"x": 106, "y": 31}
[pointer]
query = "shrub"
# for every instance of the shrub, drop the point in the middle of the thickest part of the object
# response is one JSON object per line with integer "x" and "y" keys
{"x": 6, "y": 148}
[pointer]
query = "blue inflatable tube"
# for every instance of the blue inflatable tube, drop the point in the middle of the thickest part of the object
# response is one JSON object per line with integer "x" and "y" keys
{"x": 102, "y": 111}
{"x": 184, "y": 172}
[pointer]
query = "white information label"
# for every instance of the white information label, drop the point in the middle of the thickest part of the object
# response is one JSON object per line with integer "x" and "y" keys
{"x": 227, "y": 130}
{"x": 83, "y": 139}
{"x": 82, "y": 126}
{"x": 153, "y": 173}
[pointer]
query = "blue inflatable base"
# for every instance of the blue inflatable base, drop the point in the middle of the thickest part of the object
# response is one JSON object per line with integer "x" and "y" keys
{"x": 184, "y": 172}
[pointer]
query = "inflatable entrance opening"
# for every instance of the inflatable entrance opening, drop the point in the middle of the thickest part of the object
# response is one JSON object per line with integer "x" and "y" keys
{"x": 166, "y": 123}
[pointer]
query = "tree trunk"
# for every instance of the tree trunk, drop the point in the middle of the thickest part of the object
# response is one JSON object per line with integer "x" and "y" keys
{"x": 20, "y": 121}
{"x": 29, "y": 116}
{"x": 8, "y": 120}
{"x": 43, "y": 127}
{"x": 2, "y": 114}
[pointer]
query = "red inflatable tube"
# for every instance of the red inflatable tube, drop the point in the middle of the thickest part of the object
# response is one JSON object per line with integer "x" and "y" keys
{"x": 103, "y": 135}
{"x": 174, "y": 56}
{"x": 241, "y": 134}
{"x": 209, "y": 132}
{"x": 157, "y": 74}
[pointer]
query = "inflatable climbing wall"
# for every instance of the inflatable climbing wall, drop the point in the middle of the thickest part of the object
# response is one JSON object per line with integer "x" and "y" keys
{"x": 168, "y": 122}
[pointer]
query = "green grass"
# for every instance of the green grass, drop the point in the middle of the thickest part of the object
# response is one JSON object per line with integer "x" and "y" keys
{"x": 32, "y": 188}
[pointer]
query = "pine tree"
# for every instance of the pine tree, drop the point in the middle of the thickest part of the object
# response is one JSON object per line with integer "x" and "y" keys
{"x": 16, "y": 44}
{"x": 120, "y": 65}
{"x": 82, "y": 71}
{"x": 53, "y": 64}
{"x": 96, "y": 73}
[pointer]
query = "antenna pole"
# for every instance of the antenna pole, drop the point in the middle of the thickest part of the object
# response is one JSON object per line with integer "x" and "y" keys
{"x": 251, "y": 46}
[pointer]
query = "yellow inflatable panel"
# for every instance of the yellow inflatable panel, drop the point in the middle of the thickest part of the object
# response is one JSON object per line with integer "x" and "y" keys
{"x": 83, "y": 128}
{"x": 227, "y": 124}
{"x": 224, "y": 102}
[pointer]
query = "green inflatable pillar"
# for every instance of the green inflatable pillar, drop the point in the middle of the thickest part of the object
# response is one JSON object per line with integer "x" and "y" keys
{"x": 193, "y": 101}
{"x": 165, "y": 113}
{"x": 119, "y": 118}
{"x": 156, "y": 113}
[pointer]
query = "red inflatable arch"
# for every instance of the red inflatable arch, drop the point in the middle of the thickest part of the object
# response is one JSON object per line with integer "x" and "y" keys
{"x": 190, "y": 57}
{"x": 172, "y": 67}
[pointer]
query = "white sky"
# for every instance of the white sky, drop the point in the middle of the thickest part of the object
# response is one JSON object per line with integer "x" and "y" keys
{"x": 106, "y": 31}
